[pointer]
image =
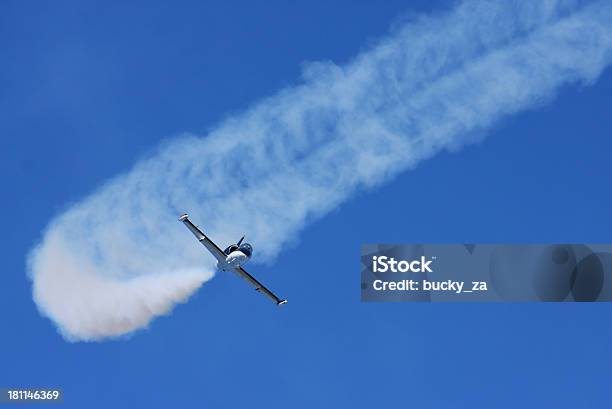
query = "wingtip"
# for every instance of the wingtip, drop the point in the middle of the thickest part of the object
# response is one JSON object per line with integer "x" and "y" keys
{"x": 183, "y": 217}
{"x": 281, "y": 302}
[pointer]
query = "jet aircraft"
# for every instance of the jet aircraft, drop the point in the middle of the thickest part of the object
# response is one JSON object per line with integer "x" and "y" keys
{"x": 232, "y": 258}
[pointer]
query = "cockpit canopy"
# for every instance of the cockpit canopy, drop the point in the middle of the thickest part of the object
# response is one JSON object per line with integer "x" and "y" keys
{"x": 246, "y": 249}
{"x": 230, "y": 248}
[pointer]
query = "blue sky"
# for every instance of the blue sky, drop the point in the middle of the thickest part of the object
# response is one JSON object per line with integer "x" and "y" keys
{"x": 89, "y": 88}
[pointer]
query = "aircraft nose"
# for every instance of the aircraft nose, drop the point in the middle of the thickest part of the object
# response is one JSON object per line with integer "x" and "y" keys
{"x": 236, "y": 258}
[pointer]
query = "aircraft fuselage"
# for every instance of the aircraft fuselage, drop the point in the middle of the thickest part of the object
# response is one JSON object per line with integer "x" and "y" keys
{"x": 233, "y": 260}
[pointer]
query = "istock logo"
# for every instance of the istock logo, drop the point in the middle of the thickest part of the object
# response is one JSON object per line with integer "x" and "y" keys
{"x": 382, "y": 264}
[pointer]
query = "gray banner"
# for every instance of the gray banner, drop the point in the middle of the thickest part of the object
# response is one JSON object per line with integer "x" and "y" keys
{"x": 30, "y": 395}
{"x": 486, "y": 272}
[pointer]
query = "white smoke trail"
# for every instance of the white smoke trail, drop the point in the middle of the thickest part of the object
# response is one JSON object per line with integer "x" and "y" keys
{"x": 112, "y": 262}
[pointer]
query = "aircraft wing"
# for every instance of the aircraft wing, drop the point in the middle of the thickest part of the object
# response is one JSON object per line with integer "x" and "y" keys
{"x": 259, "y": 286}
{"x": 202, "y": 238}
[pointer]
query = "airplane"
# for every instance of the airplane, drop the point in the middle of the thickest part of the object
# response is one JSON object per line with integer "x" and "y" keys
{"x": 232, "y": 258}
